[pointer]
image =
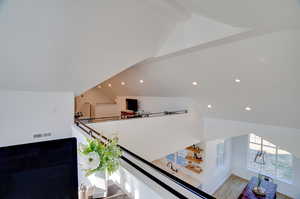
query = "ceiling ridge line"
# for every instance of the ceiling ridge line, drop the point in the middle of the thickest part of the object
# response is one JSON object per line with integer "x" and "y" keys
{"x": 215, "y": 43}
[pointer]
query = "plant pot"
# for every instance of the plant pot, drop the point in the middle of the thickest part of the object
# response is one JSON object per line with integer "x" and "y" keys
{"x": 99, "y": 181}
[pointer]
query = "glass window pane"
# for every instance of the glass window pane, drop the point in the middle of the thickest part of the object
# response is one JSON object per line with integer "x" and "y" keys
{"x": 285, "y": 165}
{"x": 253, "y": 150}
{"x": 267, "y": 143}
{"x": 181, "y": 157}
{"x": 171, "y": 157}
{"x": 255, "y": 147}
{"x": 270, "y": 161}
{"x": 220, "y": 148}
{"x": 278, "y": 162}
{"x": 220, "y": 154}
{"x": 182, "y": 153}
{"x": 255, "y": 139}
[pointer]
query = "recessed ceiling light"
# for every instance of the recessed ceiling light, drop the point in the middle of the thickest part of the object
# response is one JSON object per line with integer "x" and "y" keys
{"x": 237, "y": 80}
{"x": 263, "y": 60}
{"x": 209, "y": 106}
{"x": 195, "y": 83}
{"x": 99, "y": 86}
{"x": 109, "y": 85}
{"x": 122, "y": 83}
{"x": 248, "y": 108}
{"x": 141, "y": 81}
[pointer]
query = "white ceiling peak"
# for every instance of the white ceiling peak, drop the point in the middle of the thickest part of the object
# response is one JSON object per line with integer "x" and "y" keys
{"x": 218, "y": 41}
{"x": 195, "y": 31}
{"x": 214, "y": 20}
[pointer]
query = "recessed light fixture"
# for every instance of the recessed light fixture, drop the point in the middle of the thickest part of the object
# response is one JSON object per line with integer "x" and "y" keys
{"x": 122, "y": 83}
{"x": 248, "y": 108}
{"x": 141, "y": 81}
{"x": 263, "y": 60}
{"x": 109, "y": 85}
{"x": 99, "y": 86}
{"x": 237, "y": 80}
{"x": 195, "y": 83}
{"x": 209, "y": 106}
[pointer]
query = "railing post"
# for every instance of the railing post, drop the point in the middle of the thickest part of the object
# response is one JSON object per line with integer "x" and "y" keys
{"x": 91, "y": 133}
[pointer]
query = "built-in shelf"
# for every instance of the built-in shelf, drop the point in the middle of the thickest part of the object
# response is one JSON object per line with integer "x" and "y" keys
{"x": 192, "y": 159}
{"x": 193, "y": 168}
{"x": 194, "y": 150}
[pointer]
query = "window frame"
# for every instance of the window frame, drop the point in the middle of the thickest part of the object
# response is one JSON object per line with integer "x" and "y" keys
{"x": 277, "y": 148}
{"x": 221, "y": 156}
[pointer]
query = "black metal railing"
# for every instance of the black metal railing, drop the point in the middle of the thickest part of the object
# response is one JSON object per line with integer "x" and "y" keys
{"x": 134, "y": 116}
{"x": 197, "y": 192}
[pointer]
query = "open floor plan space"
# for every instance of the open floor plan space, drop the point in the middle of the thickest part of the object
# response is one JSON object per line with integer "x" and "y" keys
{"x": 150, "y": 99}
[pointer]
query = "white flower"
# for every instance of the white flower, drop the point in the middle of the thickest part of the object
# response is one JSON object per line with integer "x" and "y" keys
{"x": 82, "y": 147}
{"x": 90, "y": 161}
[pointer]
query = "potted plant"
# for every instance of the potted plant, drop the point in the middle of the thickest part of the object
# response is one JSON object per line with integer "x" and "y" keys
{"x": 99, "y": 160}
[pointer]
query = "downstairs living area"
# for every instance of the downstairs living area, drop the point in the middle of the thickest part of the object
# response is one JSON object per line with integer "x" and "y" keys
{"x": 238, "y": 167}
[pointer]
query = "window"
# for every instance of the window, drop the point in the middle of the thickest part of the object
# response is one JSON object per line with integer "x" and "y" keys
{"x": 221, "y": 154}
{"x": 178, "y": 157}
{"x": 278, "y": 163}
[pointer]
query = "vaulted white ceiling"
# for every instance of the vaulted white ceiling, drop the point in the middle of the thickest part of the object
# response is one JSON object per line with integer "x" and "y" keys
{"x": 246, "y": 14}
{"x": 267, "y": 65}
{"x": 66, "y": 45}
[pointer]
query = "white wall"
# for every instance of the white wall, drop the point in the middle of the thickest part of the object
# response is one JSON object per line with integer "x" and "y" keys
{"x": 286, "y": 138}
{"x": 213, "y": 176}
{"x": 103, "y": 106}
{"x": 239, "y": 167}
{"x": 153, "y": 137}
{"x": 26, "y": 113}
{"x": 94, "y": 97}
{"x": 156, "y": 104}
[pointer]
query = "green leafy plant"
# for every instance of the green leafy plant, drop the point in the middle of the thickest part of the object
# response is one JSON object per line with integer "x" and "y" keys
{"x": 99, "y": 156}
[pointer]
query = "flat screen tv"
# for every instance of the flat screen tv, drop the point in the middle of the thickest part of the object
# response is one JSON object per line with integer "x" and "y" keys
{"x": 43, "y": 170}
{"x": 132, "y": 104}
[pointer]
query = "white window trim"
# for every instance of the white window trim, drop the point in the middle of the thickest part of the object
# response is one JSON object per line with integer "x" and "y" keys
{"x": 222, "y": 165}
{"x": 262, "y": 172}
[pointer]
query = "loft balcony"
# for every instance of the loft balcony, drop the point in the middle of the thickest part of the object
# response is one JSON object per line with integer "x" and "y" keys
{"x": 139, "y": 177}
{"x": 162, "y": 133}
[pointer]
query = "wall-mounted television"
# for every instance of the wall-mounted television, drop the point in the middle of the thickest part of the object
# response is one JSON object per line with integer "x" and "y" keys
{"x": 132, "y": 104}
{"x": 43, "y": 170}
